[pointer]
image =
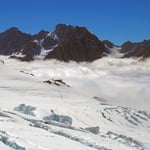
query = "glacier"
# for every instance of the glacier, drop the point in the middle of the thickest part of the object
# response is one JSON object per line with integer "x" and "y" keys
{"x": 105, "y": 106}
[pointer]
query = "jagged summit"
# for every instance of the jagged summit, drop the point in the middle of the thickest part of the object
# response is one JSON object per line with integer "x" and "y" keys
{"x": 139, "y": 49}
{"x": 12, "y": 41}
{"x": 65, "y": 43}
{"x": 75, "y": 43}
{"x": 14, "y": 29}
{"x": 128, "y": 47}
{"x": 42, "y": 34}
{"x": 108, "y": 43}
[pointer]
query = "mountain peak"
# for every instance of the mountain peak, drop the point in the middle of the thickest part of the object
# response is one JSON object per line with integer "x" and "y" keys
{"x": 66, "y": 42}
{"x": 62, "y": 27}
{"x": 75, "y": 43}
{"x": 13, "y": 29}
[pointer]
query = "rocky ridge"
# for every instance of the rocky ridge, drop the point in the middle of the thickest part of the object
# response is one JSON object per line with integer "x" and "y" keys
{"x": 65, "y": 43}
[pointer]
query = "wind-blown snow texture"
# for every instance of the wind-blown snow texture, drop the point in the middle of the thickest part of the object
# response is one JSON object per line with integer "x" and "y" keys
{"x": 105, "y": 106}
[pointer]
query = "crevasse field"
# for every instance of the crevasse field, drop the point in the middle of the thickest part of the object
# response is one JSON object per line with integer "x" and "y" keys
{"x": 52, "y": 105}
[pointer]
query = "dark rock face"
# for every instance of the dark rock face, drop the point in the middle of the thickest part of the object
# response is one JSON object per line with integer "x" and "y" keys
{"x": 61, "y": 31}
{"x": 12, "y": 41}
{"x": 108, "y": 43}
{"x": 76, "y": 43}
{"x": 142, "y": 49}
{"x": 49, "y": 43}
{"x": 31, "y": 48}
{"x": 57, "y": 82}
{"x": 128, "y": 47}
{"x": 41, "y": 35}
{"x": 67, "y": 43}
{"x": 15, "y": 41}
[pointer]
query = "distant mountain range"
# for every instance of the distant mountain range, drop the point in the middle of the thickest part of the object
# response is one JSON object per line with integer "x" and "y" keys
{"x": 65, "y": 43}
{"x": 139, "y": 49}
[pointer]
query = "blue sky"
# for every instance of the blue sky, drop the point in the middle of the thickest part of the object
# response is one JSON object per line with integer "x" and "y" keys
{"x": 115, "y": 20}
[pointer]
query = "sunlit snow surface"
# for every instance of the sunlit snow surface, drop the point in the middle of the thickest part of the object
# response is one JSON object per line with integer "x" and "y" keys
{"x": 111, "y": 93}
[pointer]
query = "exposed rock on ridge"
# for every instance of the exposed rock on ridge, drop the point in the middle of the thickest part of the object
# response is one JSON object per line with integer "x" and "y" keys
{"x": 76, "y": 43}
{"x": 141, "y": 49}
{"x": 66, "y": 43}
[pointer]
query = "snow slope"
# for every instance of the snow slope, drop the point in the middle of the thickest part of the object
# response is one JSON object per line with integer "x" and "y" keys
{"x": 49, "y": 105}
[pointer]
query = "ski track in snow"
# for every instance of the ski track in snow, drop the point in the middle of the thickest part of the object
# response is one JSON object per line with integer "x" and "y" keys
{"x": 110, "y": 93}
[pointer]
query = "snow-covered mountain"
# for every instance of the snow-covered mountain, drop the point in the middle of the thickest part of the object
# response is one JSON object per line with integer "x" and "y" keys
{"x": 49, "y": 105}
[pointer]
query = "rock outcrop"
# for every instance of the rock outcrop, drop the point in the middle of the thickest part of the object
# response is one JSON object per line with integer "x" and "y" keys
{"x": 128, "y": 47}
{"x": 12, "y": 41}
{"x": 141, "y": 49}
